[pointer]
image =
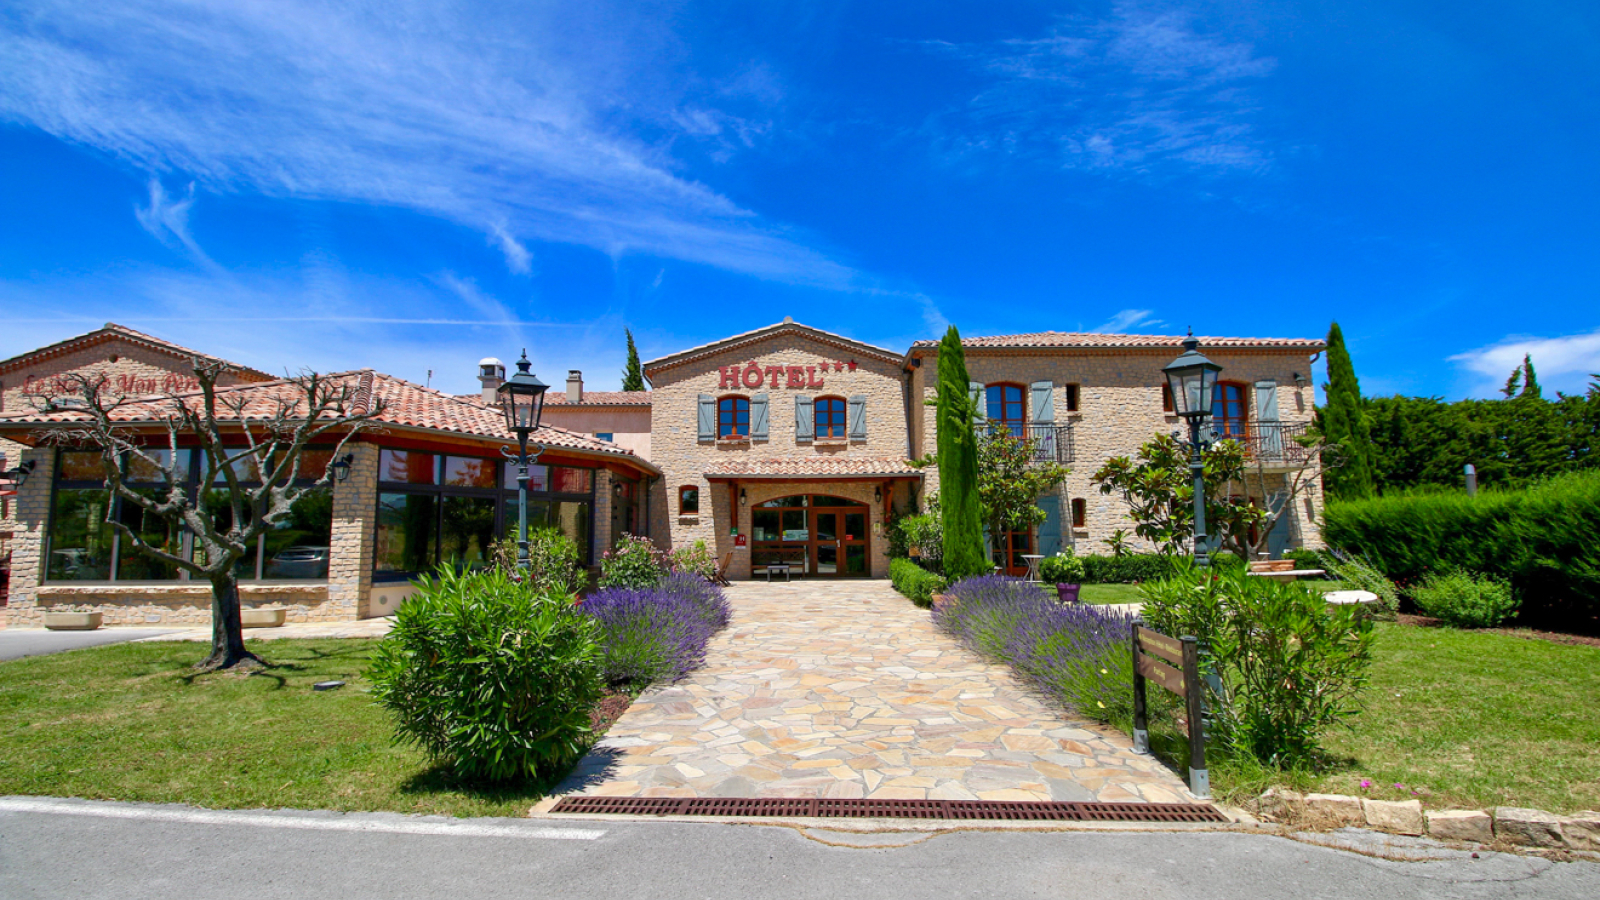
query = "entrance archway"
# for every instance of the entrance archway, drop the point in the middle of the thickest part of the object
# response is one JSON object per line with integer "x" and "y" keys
{"x": 817, "y": 535}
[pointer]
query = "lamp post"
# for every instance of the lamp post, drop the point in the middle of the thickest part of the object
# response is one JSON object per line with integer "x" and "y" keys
{"x": 522, "y": 402}
{"x": 1192, "y": 378}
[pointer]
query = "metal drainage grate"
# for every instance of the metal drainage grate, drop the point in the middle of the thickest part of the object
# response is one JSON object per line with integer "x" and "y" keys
{"x": 815, "y": 807}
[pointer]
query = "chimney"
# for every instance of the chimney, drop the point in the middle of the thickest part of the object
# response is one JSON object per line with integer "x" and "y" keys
{"x": 574, "y": 386}
{"x": 491, "y": 374}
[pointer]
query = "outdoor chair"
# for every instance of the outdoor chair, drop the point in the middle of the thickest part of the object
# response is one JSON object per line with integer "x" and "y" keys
{"x": 721, "y": 576}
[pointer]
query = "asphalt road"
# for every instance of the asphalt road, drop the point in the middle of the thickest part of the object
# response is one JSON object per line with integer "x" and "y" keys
{"x": 62, "y": 849}
{"x": 16, "y": 643}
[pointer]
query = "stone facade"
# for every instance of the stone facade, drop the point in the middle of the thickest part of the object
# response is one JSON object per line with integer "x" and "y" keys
{"x": 685, "y": 459}
{"x": 1120, "y": 407}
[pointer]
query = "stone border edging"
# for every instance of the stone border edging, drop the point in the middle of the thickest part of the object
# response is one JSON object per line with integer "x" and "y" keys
{"x": 1510, "y": 824}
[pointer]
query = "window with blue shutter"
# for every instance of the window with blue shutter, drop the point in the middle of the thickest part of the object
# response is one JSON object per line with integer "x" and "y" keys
{"x": 858, "y": 417}
{"x": 708, "y": 417}
{"x": 758, "y": 417}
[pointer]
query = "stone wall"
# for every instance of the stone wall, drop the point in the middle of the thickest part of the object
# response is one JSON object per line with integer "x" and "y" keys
{"x": 676, "y": 448}
{"x": 1120, "y": 408}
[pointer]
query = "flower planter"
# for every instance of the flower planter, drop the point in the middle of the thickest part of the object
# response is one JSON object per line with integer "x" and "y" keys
{"x": 1067, "y": 593}
{"x": 72, "y": 621}
{"x": 262, "y": 618}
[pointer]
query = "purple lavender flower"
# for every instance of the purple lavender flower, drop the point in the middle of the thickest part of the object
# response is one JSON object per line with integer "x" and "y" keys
{"x": 657, "y": 634}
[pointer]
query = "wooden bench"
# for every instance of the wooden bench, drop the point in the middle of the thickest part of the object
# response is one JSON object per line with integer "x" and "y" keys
{"x": 1282, "y": 570}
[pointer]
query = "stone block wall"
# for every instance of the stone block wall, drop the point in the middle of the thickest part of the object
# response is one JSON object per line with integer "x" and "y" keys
{"x": 1119, "y": 408}
{"x": 676, "y": 448}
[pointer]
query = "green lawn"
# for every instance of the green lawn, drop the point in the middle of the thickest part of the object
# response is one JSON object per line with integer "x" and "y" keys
{"x": 1129, "y": 593}
{"x": 134, "y": 722}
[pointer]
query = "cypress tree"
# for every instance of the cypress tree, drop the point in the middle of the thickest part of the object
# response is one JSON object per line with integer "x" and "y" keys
{"x": 1345, "y": 423}
{"x": 1530, "y": 381}
{"x": 958, "y": 466}
{"x": 633, "y": 375}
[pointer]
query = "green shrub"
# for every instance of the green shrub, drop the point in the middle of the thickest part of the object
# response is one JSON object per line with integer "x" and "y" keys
{"x": 1063, "y": 568}
{"x": 489, "y": 677}
{"x": 1131, "y": 568}
{"x": 1465, "y": 600}
{"x": 1305, "y": 559}
{"x": 553, "y": 566}
{"x": 1362, "y": 575}
{"x": 1541, "y": 539}
{"x": 1289, "y": 665}
{"x": 915, "y": 582}
{"x": 695, "y": 560}
{"x": 925, "y": 533}
{"x": 635, "y": 562}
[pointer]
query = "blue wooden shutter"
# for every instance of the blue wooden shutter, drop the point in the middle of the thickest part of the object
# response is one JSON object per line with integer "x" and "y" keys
{"x": 1267, "y": 424}
{"x": 1044, "y": 403}
{"x": 858, "y": 417}
{"x": 805, "y": 418}
{"x": 758, "y": 417}
{"x": 1050, "y": 528}
{"x": 708, "y": 417}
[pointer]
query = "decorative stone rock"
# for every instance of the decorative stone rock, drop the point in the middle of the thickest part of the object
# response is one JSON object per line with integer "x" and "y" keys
{"x": 72, "y": 621}
{"x": 262, "y": 618}
{"x": 1394, "y": 816}
{"x": 1582, "y": 830}
{"x": 1473, "y": 825}
{"x": 1280, "y": 805}
{"x": 1527, "y": 827}
{"x": 1338, "y": 809}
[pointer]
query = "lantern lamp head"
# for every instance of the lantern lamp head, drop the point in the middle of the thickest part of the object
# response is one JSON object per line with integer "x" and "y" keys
{"x": 341, "y": 467}
{"x": 19, "y": 476}
{"x": 1192, "y": 379}
{"x": 522, "y": 398}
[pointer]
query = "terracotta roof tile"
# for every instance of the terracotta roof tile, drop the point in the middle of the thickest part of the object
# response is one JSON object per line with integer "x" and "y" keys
{"x": 600, "y": 398}
{"x": 761, "y": 334}
{"x": 813, "y": 466}
{"x": 1079, "y": 339}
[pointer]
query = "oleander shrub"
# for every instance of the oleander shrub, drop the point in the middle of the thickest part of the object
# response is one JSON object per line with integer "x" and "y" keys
{"x": 916, "y": 583}
{"x": 1541, "y": 539}
{"x": 553, "y": 561}
{"x": 1289, "y": 665}
{"x": 490, "y": 677}
{"x": 1465, "y": 600}
{"x": 695, "y": 560}
{"x": 1130, "y": 568}
{"x": 656, "y": 634}
{"x": 1076, "y": 653}
{"x": 635, "y": 562}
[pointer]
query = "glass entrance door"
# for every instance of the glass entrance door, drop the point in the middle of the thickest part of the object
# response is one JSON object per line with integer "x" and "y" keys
{"x": 815, "y": 535}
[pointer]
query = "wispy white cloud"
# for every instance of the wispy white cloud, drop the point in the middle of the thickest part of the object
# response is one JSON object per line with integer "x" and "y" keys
{"x": 1563, "y": 363}
{"x": 1126, "y": 319}
{"x": 1141, "y": 91}
{"x": 167, "y": 220}
{"x": 483, "y": 114}
{"x": 518, "y": 258}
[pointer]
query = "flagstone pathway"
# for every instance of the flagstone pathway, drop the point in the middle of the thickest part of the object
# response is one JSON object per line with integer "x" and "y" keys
{"x": 845, "y": 689}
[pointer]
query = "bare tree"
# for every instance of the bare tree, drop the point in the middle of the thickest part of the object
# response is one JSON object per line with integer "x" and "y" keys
{"x": 1280, "y": 468}
{"x": 259, "y": 430}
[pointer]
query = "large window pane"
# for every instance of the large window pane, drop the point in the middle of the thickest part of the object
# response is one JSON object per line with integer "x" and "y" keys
{"x": 297, "y": 545}
{"x": 80, "y": 465}
{"x": 564, "y": 480}
{"x": 80, "y": 539}
{"x": 148, "y": 471}
{"x": 538, "y": 477}
{"x": 154, "y": 531}
{"x": 538, "y": 517}
{"x": 468, "y": 472}
{"x": 467, "y": 532}
{"x": 572, "y": 517}
{"x": 406, "y": 538}
{"x": 764, "y": 522}
{"x": 407, "y": 466}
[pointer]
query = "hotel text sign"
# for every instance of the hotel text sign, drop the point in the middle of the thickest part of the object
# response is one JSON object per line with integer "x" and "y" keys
{"x": 122, "y": 384}
{"x": 754, "y": 375}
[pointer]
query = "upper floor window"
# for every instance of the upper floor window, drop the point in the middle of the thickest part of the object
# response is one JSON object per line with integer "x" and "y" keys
{"x": 1228, "y": 409}
{"x": 1072, "y": 398}
{"x": 830, "y": 418}
{"x": 733, "y": 417}
{"x": 689, "y": 500}
{"x": 1006, "y": 404}
{"x": 1166, "y": 398}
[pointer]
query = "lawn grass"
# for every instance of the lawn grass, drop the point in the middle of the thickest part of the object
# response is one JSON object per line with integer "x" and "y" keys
{"x": 1129, "y": 593}
{"x": 135, "y": 722}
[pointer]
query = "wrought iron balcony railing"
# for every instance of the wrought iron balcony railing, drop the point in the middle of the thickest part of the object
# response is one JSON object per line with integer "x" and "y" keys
{"x": 1276, "y": 442}
{"x": 1052, "y": 442}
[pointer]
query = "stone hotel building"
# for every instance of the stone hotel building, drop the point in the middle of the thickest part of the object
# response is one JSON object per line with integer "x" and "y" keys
{"x": 785, "y": 446}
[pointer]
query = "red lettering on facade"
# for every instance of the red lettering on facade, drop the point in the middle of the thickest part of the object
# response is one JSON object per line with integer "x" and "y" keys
{"x": 730, "y": 377}
{"x": 797, "y": 377}
{"x": 752, "y": 375}
{"x": 773, "y": 374}
{"x": 812, "y": 381}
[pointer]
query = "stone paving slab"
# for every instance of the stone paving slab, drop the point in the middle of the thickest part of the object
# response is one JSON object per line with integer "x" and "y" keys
{"x": 845, "y": 689}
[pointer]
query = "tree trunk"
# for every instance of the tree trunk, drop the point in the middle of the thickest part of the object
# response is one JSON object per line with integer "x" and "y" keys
{"x": 227, "y": 632}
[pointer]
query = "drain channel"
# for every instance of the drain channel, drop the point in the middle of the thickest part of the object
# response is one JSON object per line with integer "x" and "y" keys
{"x": 817, "y": 807}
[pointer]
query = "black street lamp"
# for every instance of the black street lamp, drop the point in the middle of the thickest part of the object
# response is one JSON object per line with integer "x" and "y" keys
{"x": 522, "y": 401}
{"x": 19, "y": 475}
{"x": 1192, "y": 378}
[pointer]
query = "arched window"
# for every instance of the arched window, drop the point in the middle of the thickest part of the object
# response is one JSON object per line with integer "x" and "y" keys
{"x": 1006, "y": 404}
{"x": 689, "y": 500}
{"x": 733, "y": 417}
{"x": 830, "y": 418}
{"x": 1228, "y": 409}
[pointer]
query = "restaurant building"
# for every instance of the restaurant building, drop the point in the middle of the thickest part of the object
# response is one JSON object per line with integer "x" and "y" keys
{"x": 784, "y": 447}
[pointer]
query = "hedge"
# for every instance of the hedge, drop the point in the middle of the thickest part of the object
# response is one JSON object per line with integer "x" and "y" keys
{"x": 914, "y": 581}
{"x": 1134, "y": 567}
{"x": 1542, "y": 539}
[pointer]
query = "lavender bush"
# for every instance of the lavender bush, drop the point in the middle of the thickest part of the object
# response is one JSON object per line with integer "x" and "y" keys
{"x": 1077, "y": 654}
{"x": 656, "y": 634}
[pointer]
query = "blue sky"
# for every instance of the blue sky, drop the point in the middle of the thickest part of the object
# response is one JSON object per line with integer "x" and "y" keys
{"x": 414, "y": 185}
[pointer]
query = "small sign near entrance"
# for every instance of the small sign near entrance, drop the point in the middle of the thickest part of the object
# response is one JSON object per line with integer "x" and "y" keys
{"x": 740, "y": 540}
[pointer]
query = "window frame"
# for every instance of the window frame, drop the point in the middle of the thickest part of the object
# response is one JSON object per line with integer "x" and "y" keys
{"x": 1219, "y": 401}
{"x": 1073, "y": 395}
{"x": 684, "y": 489}
{"x": 843, "y": 426}
{"x": 1080, "y": 512}
{"x": 735, "y": 400}
{"x": 1019, "y": 425}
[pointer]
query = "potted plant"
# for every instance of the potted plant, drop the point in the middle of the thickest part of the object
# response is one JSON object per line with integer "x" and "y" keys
{"x": 1065, "y": 571}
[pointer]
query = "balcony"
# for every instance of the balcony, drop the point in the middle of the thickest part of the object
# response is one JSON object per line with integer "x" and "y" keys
{"x": 1053, "y": 443}
{"x": 1276, "y": 444}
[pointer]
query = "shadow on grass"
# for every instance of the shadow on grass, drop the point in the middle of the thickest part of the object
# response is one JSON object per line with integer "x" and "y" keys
{"x": 593, "y": 768}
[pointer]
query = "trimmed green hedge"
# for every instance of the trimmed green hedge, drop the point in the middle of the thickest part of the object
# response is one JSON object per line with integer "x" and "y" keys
{"x": 1134, "y": 567}
{"x": 1542, "y": 539}
{"x": 914, "y": 581}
